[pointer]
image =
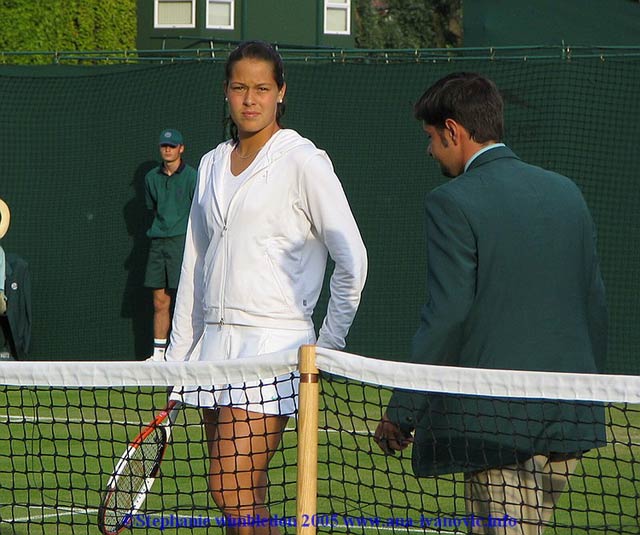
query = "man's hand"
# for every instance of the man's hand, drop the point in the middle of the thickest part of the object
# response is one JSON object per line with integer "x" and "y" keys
{"x": 390, "y": 438}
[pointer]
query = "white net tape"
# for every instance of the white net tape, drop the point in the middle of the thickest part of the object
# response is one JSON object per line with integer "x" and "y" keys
{"x": 427, "y": 378}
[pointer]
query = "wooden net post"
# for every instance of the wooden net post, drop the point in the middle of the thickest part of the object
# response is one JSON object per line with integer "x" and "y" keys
{"x": 306, "y": 503}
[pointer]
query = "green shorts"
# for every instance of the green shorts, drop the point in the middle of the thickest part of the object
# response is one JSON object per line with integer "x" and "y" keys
{"x": 165, "y": 261}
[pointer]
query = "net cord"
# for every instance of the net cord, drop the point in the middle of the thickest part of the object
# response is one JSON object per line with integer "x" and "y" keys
{"x": 392, "y": 374}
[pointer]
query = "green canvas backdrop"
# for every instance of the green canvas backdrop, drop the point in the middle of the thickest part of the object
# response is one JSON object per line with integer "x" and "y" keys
{"x": 76, "y": 143}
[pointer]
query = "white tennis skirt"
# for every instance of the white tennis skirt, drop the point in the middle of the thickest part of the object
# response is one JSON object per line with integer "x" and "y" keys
{"x": 277, "y": 396}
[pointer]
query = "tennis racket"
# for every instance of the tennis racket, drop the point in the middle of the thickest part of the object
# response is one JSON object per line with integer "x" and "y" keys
{"x": 135, "y": 473}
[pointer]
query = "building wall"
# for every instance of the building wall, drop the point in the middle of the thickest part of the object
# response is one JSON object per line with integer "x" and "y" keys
{"x": 286, "y": 22}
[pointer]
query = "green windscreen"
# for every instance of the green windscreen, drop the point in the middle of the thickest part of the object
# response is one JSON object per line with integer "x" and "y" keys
{"x": 77, "y": 141}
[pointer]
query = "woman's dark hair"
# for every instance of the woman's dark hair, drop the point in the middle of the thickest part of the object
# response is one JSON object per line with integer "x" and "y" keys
{"x": 469, "y": 99}
{"x": 256, "y": 50}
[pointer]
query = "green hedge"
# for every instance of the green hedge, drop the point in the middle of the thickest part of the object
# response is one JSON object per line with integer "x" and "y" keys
{"x": 55, "y": 25}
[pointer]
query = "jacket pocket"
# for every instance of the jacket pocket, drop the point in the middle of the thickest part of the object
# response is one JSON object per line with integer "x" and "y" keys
{"x": 274, "y": 265}
{"x": 213, "y": 267}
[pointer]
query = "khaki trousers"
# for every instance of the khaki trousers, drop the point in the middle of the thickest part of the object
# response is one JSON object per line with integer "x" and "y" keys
{"x": 518, "y": 499}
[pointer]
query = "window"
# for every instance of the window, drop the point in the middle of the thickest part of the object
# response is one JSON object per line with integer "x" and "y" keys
{"x": 337, "y": 16}
{"x": 175, "y": 14}
{"x": 220, "y": 14}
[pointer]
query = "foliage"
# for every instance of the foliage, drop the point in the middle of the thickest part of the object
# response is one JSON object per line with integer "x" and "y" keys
{"x": 69, "y": 25}
{"x": 66, "y": 25}
{"x": 408, "y": 23}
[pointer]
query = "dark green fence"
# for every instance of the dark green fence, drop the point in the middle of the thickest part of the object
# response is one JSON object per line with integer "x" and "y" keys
{"x": 76, "y": 142}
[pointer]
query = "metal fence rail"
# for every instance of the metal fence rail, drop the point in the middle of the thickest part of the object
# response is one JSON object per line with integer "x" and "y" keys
{"x": 217, "y": 52}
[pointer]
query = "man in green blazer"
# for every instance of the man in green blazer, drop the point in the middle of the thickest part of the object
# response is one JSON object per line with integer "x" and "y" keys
{"x": 514, "y": 283}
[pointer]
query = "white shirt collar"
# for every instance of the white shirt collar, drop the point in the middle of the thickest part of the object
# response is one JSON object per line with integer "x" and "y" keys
{"x": 482, "y": 150}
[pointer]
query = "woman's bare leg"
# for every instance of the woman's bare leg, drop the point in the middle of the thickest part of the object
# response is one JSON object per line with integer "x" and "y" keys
{"x": 241, "y": 444}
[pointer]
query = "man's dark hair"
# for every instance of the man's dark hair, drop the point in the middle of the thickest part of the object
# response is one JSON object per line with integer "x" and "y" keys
{"x": 468, "y": 98}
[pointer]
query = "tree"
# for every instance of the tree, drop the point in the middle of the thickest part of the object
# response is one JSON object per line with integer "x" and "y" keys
{"x": 408, "y": 23}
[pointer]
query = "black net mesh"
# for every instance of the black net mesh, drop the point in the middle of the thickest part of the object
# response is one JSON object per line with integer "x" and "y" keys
{"x": 363, "y": 490}
{"x": 60, "y": 446}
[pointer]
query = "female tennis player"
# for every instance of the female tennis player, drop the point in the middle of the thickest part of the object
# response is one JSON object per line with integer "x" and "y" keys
{"x": 268, "y": 208}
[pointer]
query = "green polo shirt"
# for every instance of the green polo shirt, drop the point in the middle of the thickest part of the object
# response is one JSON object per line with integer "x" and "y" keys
{"x": 170, "y": 199}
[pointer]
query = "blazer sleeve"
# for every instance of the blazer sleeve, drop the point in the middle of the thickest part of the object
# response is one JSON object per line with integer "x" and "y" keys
{"x": 451, "y": 281}
{"x": 451, "y": 284}
{"x": 598, "y": 316}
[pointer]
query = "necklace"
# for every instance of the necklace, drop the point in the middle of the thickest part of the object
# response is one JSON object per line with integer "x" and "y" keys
{"x": 250, "y": 155}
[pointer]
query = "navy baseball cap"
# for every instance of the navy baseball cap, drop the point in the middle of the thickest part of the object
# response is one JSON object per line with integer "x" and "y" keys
{"x": 171, "y": 137}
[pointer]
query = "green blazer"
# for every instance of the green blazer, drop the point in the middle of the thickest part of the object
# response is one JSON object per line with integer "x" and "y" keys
{"x": 514, "y": 283}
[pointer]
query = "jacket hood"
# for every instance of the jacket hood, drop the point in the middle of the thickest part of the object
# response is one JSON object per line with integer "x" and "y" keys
{"x": 280, "y": 144}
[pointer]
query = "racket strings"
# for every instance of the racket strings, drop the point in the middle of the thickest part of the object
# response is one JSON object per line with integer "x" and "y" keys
{"x": 131, "y": 484}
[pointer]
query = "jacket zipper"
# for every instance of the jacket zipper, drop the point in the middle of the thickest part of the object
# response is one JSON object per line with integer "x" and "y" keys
{"x": 225, "y": 231}
{"x": 224, "y": 272}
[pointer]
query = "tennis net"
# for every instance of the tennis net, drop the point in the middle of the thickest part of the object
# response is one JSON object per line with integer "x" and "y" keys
{"x": 65, "y": 425}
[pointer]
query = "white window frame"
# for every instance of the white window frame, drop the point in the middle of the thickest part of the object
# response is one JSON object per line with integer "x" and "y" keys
{"x": 156, "y": 24}
{"x": 232, "y": 5}
{"x": 328, "y": 4}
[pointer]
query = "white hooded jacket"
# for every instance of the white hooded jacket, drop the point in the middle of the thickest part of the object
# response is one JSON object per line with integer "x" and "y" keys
{"x": 262, "y": 263}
